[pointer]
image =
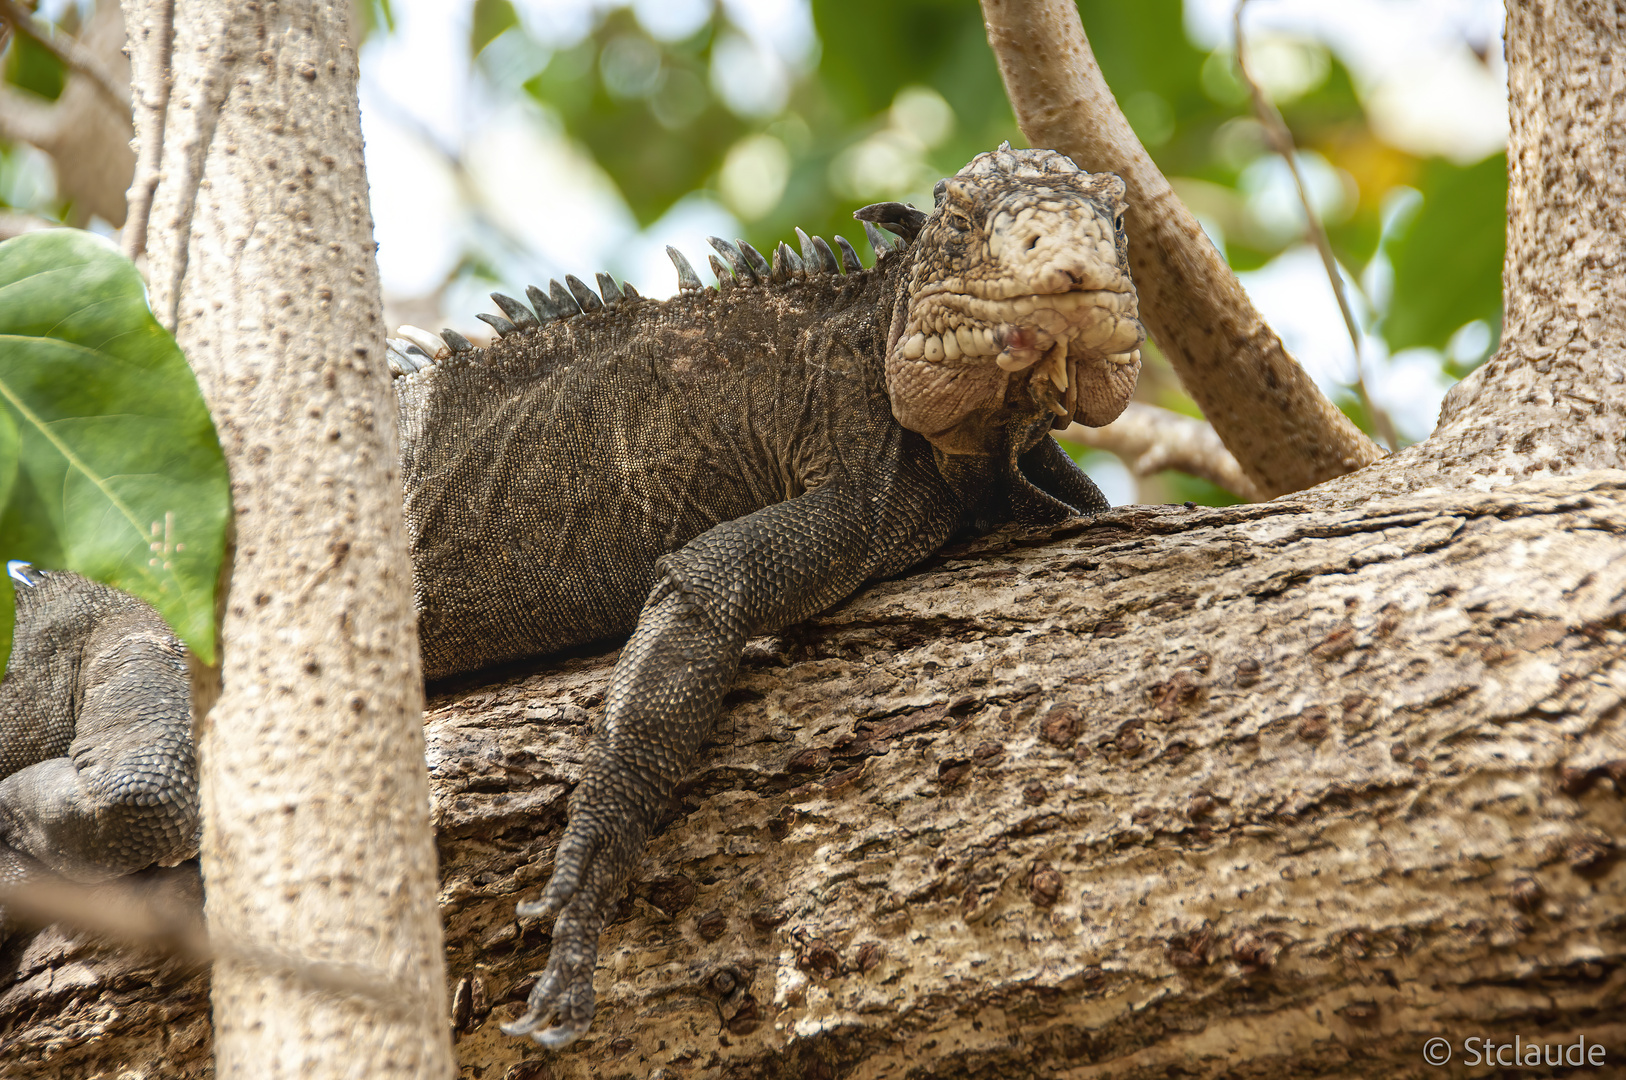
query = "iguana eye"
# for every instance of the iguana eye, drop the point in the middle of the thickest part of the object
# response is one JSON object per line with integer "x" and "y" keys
{"x": 959, "y": 222}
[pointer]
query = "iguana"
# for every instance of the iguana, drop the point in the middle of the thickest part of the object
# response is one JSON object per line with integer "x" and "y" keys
{"x": 728, "y": 462}
{"x": 98, "y": 775}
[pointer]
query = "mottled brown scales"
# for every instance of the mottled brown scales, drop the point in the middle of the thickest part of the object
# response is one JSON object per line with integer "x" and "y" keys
{"x": 98, "y": 774}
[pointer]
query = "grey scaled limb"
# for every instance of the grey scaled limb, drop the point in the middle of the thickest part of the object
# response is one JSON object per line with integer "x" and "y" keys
{"x": 768, "y": 569}
{"x": 98, "y": 773}
{"x": 1049, "y": 468}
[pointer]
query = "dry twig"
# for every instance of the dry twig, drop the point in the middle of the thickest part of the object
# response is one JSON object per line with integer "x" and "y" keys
{"x": 1148, "y": 440}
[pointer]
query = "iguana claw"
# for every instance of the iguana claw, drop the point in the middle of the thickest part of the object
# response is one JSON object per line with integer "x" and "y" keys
{"x": 564, "y": 993}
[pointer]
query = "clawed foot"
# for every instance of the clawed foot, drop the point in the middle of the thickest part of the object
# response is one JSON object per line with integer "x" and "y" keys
{"x": 591, "y": 865}
{"x": 564, "y": 993}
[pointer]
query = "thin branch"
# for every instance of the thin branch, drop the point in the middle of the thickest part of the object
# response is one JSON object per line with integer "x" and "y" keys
{"x": 1284, "y": 432}
{"x": 70, "y": 52}
{"x": 150, "y": 46}
{"x": 1281, "y": 141}
{"x": 118, "y": 913}
{"x": 1148, "y": 440}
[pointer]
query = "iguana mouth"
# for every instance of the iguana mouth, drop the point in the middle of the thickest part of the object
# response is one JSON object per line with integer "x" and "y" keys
{"x": 1019, "y": 305}
{"x": 1019, "y": 331}
{"x": 1064, "y": 339}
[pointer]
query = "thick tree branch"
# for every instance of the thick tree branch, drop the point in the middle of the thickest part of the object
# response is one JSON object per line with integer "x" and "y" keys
{"x": 316, "y": 841}
{"x": 1282, "y": 430}
{"x": 1252, "y": 791}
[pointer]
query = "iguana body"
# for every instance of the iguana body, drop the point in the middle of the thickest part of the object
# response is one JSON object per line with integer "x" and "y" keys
{"x": 726, "y": 463}
{"x": 98, "y": 776}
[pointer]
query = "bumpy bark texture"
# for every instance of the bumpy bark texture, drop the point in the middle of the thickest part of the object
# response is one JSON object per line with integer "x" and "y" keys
{"x": 316, "y": 850}
{"x": 1255, "y": 791}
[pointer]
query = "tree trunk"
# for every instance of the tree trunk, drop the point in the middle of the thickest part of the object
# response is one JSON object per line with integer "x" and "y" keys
{"x": 1277, "y": 790}
{"x": 317, "y": 854}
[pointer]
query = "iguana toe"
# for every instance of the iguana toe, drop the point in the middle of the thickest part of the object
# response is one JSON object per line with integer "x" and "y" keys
{"x": 564, "y": 993}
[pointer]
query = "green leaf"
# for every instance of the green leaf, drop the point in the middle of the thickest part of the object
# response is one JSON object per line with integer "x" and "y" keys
{"x": 1448, "y": 261}
{"x": 8, "y": 480}
{"x": 117, "y": 471}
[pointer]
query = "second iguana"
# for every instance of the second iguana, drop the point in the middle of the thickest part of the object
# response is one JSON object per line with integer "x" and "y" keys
{"x": 727, "y": 462}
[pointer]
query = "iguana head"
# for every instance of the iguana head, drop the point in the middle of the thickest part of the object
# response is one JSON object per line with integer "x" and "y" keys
{"x": 1018, "y": 306}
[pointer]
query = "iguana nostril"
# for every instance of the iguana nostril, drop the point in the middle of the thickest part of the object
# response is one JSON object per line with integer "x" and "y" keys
{"x": 1033, "y": 242}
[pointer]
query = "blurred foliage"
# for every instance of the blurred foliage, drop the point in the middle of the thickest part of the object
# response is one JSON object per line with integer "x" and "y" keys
{"x": 109, "y": 464}
{"x": 31, "y": 67}
{"x": 1447, "y": 259}
{"x": 895, "y": 94}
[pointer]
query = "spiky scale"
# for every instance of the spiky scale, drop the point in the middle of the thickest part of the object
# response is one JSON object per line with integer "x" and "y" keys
{"x": 688, "y": 280}
{"x": 628, "y": 293}
{"x": 563, "y": 301}
{"x": 497, "y": 323}
{"x": 521, "y": 316}
{"x": 402, "y": 356}
{"x": 792, "y": 261}
{"x": 427, "y": 343}
{"x": 736, "y": 261}
{"x": 753, "y": 258}
{"x": 849, "y": 258}
{"x": 807, "y": 249}
{"x": 724, "y": 278}
{"x": 584, "y": 295}
{"x": 877, "y": 240}
{"x": 606, "y": 287}
{"x": 545, "y": 309}
{"x": 824, "y": 257}
{"x": 456, "y": 342}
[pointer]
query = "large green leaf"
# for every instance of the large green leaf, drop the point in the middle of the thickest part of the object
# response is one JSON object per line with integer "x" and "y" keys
{"x": 1448, "y": 260}
{"x": 115, "y": 470}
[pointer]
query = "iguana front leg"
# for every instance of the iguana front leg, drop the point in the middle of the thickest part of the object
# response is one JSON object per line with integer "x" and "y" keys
{"x": 768, "y": 569}
{"x": 98, "y": 774}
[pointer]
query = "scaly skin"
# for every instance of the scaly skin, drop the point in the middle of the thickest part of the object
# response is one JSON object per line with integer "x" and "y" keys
{"x": 696, "y": 472}
{"x": 736, "y": 461}
{"x": 98, "y": 775}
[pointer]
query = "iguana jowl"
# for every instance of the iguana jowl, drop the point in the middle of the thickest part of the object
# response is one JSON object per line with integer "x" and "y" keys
{"x": 726, "y": 463}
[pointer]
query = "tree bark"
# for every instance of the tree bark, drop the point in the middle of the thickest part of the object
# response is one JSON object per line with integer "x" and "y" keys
{"x": 317, "y": 854}
{"x": 1279, "y": 790}
{"x": 1261, "y": 790}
